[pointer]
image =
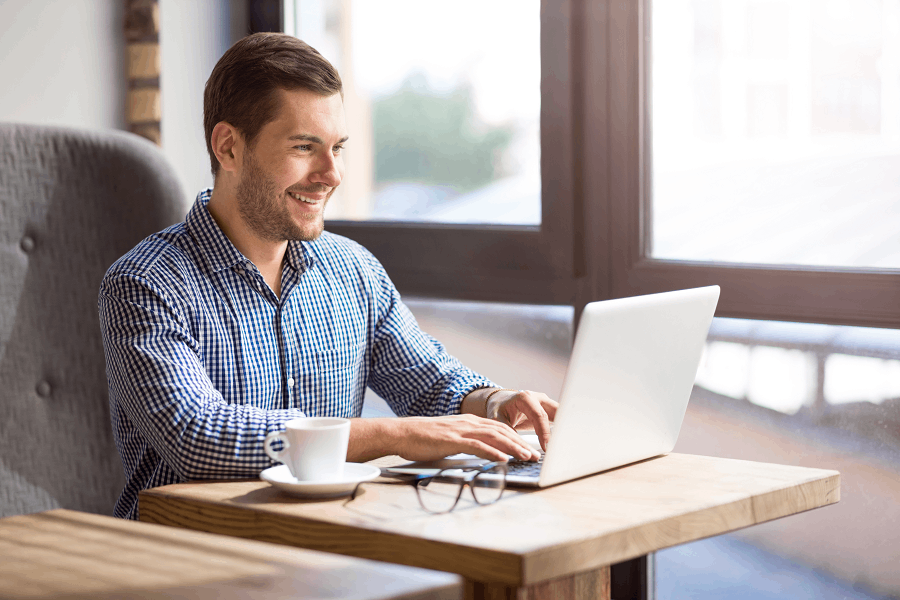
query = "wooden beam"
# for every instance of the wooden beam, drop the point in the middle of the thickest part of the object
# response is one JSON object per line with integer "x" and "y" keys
{"x": 143, "y": 103}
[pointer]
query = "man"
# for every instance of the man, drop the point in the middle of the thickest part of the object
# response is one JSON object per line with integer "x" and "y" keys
{"x": 220, "y": 329}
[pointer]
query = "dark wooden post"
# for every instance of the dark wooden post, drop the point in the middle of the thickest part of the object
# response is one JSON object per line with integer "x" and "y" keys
{"x": 143, "y": 110}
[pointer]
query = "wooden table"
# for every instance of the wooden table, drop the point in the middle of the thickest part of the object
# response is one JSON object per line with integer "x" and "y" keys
{"x": 552, "y": 543}
{"x": 68, "y": 554}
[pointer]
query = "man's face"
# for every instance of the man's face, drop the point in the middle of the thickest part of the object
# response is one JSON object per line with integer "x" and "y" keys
{"x": 293, "y": 168}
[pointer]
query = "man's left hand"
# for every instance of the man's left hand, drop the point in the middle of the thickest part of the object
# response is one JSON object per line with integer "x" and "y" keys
{"x": 520, "y": 409}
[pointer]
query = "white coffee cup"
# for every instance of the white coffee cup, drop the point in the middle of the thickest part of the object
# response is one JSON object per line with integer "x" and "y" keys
{"x": 315, "y": 448}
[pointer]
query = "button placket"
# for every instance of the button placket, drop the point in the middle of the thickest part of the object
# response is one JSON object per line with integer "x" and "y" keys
{"x": 256, "y": 280}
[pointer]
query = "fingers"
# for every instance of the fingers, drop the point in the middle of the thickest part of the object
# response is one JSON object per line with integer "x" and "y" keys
{"x": 511, "y": 443}
{"x": 546, "y": 415}
{"x": 486, "y": 451}
{"x": 533, "y": 408}
{"x": 430, "y": 438}
{"x": 497, "y": 441}
{"x": 549, "y": 406}
{"x": 540, "y": 420}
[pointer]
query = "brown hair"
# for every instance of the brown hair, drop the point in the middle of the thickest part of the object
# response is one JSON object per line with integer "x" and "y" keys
{"x": 241, "y": 89}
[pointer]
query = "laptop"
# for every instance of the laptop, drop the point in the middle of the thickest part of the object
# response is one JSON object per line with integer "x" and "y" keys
{"x": 626, "y": 388}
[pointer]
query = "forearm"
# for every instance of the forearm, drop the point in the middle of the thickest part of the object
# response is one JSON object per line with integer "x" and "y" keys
{"x": 374, "y": 437}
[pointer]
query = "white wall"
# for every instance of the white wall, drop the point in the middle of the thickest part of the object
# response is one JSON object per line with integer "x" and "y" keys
{"x": 62, "y": 63}
{"x": 193, "y": 36}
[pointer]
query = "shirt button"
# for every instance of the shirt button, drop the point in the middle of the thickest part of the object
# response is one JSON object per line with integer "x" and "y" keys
{"x": 290, "y": 382}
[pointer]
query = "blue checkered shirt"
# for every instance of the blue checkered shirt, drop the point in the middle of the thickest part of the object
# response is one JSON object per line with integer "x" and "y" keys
{"x": 203, "y": 359}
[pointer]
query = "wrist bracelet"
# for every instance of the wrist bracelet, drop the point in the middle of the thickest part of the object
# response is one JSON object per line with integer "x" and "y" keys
{"x": 494, "y": 392}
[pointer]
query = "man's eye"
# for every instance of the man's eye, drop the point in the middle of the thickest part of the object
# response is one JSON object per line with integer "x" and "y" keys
{"x": 338, "y": 149}
{"x": 304, "y": 147}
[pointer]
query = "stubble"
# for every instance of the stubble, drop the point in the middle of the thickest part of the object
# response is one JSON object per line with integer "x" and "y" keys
{"x": 265, "y": 210}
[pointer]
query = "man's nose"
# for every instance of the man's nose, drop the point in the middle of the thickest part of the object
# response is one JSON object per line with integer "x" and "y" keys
{"x": 328, "y": 171}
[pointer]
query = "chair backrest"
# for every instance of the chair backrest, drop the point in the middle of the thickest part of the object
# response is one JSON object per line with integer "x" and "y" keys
{"x": 71, "y": 203}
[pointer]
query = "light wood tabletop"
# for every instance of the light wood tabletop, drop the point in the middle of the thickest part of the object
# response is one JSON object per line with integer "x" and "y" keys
{"x": 69, "y": 554}
{"x": 552, "y": 542}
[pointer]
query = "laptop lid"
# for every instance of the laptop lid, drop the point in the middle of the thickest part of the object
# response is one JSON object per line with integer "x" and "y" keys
{"x": 628, "y": 382}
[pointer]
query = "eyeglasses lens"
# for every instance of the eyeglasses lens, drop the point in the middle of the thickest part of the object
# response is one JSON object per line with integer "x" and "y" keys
{"x": 438, "y": 496}
{"x": 489, "y": 485}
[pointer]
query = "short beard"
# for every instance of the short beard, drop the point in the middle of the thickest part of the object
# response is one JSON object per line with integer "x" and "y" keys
{"x": 259, "y": 206}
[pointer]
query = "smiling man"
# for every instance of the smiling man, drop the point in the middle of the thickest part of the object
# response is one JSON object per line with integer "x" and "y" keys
{"x": 220, "y": 329}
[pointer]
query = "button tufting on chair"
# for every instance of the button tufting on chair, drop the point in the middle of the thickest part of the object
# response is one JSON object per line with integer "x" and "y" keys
{"x": 27, "y": 244}
{"x": 43, "y": 389}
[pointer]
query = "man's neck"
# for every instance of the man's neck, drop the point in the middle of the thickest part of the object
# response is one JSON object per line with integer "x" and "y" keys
{"x": 268, "y": 256}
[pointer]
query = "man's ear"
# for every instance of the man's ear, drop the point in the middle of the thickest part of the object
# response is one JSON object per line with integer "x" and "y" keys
{"x": 227, "y": 144}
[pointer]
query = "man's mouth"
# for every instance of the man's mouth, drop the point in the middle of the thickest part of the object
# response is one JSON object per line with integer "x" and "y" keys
{"x": 305, "y": 199}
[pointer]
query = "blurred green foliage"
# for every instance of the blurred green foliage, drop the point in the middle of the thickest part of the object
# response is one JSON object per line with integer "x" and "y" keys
{"x": 432, "y": 138}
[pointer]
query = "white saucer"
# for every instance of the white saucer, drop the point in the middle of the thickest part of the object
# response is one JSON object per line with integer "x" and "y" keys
{"x": 354, "y": 473}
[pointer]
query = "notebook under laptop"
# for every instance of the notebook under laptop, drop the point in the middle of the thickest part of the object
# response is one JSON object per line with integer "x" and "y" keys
{"x": 626, "y": 388}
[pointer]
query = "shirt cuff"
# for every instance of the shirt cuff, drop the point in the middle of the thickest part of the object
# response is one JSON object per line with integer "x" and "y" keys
{"x": 456, "y": 401}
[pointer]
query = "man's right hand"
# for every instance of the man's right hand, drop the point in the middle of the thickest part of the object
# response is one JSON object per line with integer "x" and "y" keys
{"x": 433, "y": 438}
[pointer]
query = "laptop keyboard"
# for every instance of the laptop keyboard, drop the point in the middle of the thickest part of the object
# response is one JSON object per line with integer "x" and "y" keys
{"x": 524, "y": 467}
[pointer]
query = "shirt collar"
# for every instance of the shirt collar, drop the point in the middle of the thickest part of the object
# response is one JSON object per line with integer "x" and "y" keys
{"x": 220, "y": 253}
{"x": 298, "y": 256}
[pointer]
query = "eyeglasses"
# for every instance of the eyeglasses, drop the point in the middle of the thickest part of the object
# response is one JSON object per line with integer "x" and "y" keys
{"x": 440, "y": 492}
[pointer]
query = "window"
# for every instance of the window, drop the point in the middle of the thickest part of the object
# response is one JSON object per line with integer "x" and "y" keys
{"x": 729, "y": 126}
{"x": 775, "y": 127}
{"x": 608, "y": 194}
{"x": 498, "y": 227}
{"x": 448, "y": 133}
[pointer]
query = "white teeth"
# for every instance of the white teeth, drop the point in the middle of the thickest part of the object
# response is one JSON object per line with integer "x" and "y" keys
{"x": 302, "y": 199}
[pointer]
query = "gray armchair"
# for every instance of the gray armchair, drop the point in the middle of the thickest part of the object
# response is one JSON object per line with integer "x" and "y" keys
{"x": 71, "y": 203}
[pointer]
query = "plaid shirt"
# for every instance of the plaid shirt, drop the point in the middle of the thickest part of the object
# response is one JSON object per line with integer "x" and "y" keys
{"x": 203, "y": 359}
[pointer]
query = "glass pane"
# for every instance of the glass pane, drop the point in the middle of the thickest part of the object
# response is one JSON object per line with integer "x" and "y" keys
{"x": 443, "y": 107}
{"x": 811, "y": 395}
{"x": 776, "y": 131}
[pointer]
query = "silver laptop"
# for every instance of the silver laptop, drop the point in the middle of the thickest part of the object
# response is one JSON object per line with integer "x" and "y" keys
{"x": 626, "y": 388}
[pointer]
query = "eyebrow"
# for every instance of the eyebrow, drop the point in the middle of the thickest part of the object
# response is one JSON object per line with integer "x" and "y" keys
{"x": 314, "y": 139}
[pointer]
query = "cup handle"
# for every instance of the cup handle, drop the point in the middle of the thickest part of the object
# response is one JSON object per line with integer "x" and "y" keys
{"x": 271, "y": 437}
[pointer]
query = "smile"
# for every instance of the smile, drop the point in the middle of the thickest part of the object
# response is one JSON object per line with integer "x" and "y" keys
{"x": 304, "y": 198}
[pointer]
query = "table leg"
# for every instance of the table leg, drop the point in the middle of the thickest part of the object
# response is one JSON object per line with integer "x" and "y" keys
{"x": 587, "y": 585}
{"x": 633, "y": 579}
